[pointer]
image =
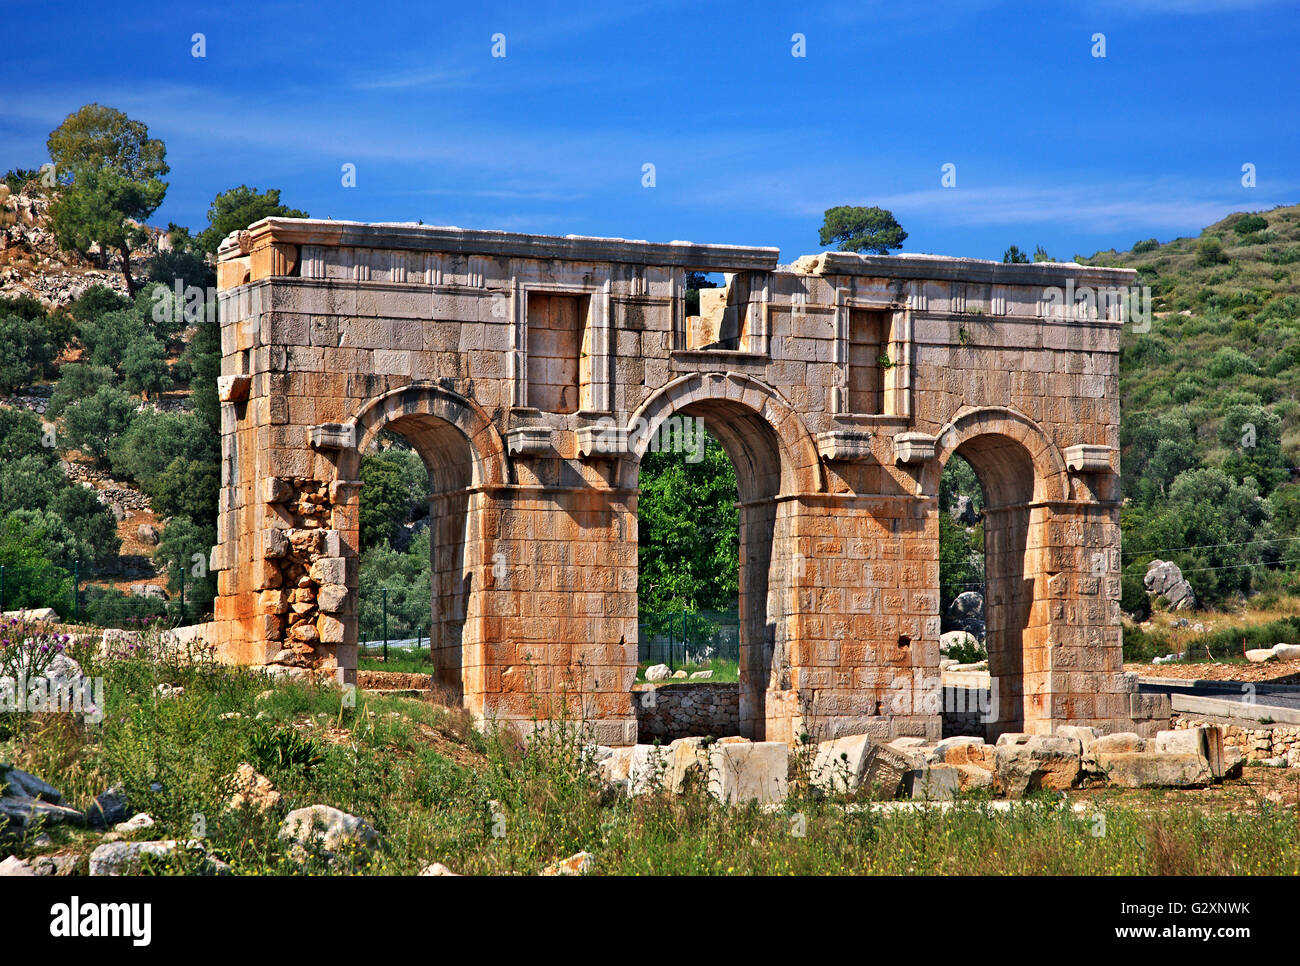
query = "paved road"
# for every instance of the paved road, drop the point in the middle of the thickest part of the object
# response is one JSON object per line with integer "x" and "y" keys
{"x": 1273, "y": 695}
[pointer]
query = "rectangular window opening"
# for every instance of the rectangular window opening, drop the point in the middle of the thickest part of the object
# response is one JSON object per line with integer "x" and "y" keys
{"x": 559, "y": 351}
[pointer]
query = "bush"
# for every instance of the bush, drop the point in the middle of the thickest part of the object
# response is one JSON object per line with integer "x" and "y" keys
{"x": 1249, "y": 224}
{"x": 1209, "y": 251}
{"x": 26, "y": 351}
{"x": 77, "y": 381}
{"x": 1147, "y": 245}
{"x": 155, "y": 439}
{"x": 21, "y": 435}
{"x": 95, "y": 423}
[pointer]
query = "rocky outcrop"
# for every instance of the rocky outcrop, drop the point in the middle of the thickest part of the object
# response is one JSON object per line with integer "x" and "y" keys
{"x": 1165, "y": 580}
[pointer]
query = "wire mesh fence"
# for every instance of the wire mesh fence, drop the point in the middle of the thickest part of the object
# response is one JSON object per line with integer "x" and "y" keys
{"x": 689, "y": 637}
{"x": 79, "y": 595}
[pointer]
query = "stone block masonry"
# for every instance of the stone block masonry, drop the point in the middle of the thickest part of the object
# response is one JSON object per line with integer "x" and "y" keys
{"x": 532, "y": 372}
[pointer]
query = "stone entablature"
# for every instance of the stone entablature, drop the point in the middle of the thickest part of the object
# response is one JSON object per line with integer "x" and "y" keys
{"x": 532, "y": 372}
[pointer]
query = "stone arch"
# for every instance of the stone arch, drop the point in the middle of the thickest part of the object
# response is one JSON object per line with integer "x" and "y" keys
{"x": 745, "y": 410}
{"x": 775, "y": 458}
{"x": 1021, "y": 472}
{"x": 1020, "y": 460}
{"x": 428, "y": 413}
{"x": 466, "y": 459}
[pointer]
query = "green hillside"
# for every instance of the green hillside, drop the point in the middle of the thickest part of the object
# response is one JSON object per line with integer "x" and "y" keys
{"x": 1210, "y": 430}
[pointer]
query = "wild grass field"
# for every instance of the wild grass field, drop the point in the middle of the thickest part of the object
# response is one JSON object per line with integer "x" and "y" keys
{"x": 438, "y": 789}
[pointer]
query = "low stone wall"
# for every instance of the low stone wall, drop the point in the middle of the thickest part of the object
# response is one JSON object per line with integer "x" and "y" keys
{"x": 1256, "y": 744}
{"x": 679, "y": 709}
{"x": 963, "y": 710}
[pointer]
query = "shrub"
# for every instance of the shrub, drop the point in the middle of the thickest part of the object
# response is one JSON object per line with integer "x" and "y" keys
{"x": 1249, "y": 224}
{"x": 1209, "y": 251}
{"x": 26, "y": 351}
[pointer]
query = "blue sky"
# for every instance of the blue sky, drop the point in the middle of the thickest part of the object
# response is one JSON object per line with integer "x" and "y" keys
{"x": 750, "y": 144}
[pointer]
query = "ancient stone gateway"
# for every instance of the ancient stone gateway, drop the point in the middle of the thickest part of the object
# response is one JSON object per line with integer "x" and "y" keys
{"x": 532, "y": 372}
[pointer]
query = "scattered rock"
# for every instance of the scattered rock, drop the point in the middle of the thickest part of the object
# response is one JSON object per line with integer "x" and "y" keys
{"x": 148, "y": 534}
{"x": 123, "y": 858}
{"x": 15, "y": 781}
{"x": 701, "y": 675}
{"x": 1260, "y": 655}
{"x": 1164, "y": 579}
{"x": 334, "y": 828}
{"x": 679, "y": 673}
{"x": 1039, "y": 762}
{"x": 658, "y": 672}
{"x": 135, "y": 823}
{"x": 1151, "y": 769}
{"x": 579, "y": 864}
{"x": 967, "y": 605}
{"x": 170, "y": 690}
{"x": 253, "y": 791}
{"x": 108, "y": 809}
{"x": 1287, "y": 652}
{"x": 438, "y": 869}
{"x": 15, "y": 866}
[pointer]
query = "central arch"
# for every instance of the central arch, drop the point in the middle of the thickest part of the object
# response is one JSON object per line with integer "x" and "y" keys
{"x": 1021, "y": 473}
{"x": 774, "y": 458}
{"x": 464, "y": 454}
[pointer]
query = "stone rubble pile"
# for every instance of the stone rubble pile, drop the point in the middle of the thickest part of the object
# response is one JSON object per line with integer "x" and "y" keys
{"x": 732, "y": 769}
{"x": 1274, "y": 745}
{"x": 1019, "y": 764}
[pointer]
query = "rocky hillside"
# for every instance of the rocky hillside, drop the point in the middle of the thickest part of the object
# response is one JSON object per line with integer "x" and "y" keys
{"x": 31, "y": 262}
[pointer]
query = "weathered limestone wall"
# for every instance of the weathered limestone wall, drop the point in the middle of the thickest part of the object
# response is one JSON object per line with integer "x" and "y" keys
{"x": 531, "y": 374}
{"x": 669, "y": 710}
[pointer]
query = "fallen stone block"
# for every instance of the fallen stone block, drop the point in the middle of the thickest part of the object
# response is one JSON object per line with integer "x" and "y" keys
{"x": 1084, "y": 735}
{"x": 1040, "y": 762}
{"x": 649, "y": 769}
{"x": 1155, "y": 769}
{"x": 1206, "y": 741}
{"x": 936, "y": 783}
{"x": 658, "y": 672}
{"x": 749, "y": 771}
{"x": 1287, "y": 652}
{"x": 939, "y": 753}
{"x": 1260, "y": 655}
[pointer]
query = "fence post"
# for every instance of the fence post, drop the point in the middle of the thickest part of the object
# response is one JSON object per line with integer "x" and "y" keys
{"x": 385, "y": 592}
{"x": 182, "y": 595}
{"x": 2, "y": 586}
{"x": 76, "y": 590}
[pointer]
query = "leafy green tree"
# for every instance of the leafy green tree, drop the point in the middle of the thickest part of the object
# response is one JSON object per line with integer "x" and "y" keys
{"x": 90, "y": 520}
{"x": 1040, "y": 255}
{"x": 27, "y": 483}
{"x": 108, "y": 336}
{"x": 113, "y": 174}
{"x": 21, "y": 435}
{"x": 186, "y": 267}
{"x": 1218, "y": 531}
{"x": 26, "y": 351}
{"x": 93, "y": 423}
{"x": 406, "y": 578}
{"x": 144, "y": 366}
{"x": 1253, "y": 436}
{"x": 386, "y": 502}
{"x": 96, "y": 301}
{"x": 1014, "y": 256}
{"x": 238, "y": 208}
{"x": 78, "y": 380}
{"x": 689, "y": 529}
{"x": 154, "y": 440}
{"x": 32, "y": 579}
{"x": 188, "y": 488}
{"x": 60, "y": 543}
{"x": 857, "y": 229}
{"x": 183, "y": 554}
{"x": 1154, "y": 449}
